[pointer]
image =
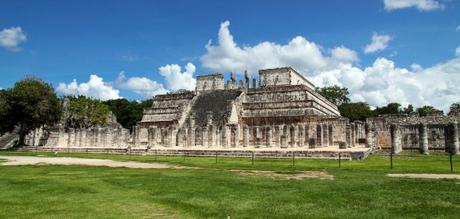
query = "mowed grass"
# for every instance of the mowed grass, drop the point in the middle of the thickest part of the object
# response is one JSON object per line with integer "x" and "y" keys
{"x": 360, "y": 189}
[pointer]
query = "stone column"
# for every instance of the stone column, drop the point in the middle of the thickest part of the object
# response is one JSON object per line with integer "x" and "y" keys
{"x": 173, "y": 134}
{"x": 83, "y": 138}
{"x": 228, "y": 136}
{"x": 295, "y": 137}
{"x": 368, "y": 135}
{"x": 62, "y": 141}
{"x": 348, "y": 135}
{"x": 395, "y": 139}
{"x": 452, "y": 138}
{"x": 276, "y": 135}
{"x": 325, "y": 130}
{"x": 319, "y": 136}
{"x": 269, "y": 130}
{"x": 245, "y": 136}
{"x": 205, "y": 134}
{"x": 307, "y": 135}
{"x": 71, "y": 138}
{"x": 283, "y": 136}
{"x": 423, "y": 138}
{"x": 301, "y": 135}
{"x": 352, "y": 135}
{"x": 331, "y": 135}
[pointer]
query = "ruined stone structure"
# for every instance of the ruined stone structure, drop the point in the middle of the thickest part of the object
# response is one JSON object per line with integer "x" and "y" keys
{"x": 279, "y": 113}
{"x": 282, "y": 110}
{"x": 412, "y": 132}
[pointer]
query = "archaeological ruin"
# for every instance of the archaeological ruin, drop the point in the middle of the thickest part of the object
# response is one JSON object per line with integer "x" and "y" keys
{"x": 277, "y": 115}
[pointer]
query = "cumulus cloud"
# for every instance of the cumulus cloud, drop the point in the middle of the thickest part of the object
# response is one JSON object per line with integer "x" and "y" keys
{"x": 421, "y": 5}
{"x": 95, "y": 88}
{"x": 176, "y": 79}
{"x": 457, "y": 51}
{"x": 10, "y": 38}
{"x": 378, "y": 84}
{"x": 307, "y": 56}
{"x": 344, "y": 54}
{"x": 140, "y": 85}
{"x": 379, "y": 42}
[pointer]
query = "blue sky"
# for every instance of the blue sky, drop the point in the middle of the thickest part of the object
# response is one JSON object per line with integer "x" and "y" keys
{"x": 66, "y": 40}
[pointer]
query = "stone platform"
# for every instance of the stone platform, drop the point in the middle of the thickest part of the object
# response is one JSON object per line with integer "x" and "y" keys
{"x": 355, "y": 153}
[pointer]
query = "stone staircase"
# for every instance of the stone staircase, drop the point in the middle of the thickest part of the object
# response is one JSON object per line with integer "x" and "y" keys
{"x": 7, "y": 140}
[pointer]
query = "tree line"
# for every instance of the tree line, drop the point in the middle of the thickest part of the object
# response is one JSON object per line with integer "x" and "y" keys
{"x": 361, "y": 110}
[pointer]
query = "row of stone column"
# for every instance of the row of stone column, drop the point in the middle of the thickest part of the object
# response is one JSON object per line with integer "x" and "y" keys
{"x": 97, "y": 137}
{"x": 310, "y": 135}
{"x": 450, "y": 133}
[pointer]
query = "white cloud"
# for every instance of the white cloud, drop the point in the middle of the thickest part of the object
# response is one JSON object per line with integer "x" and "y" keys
{"x": 305, "y": 55}
{"x": 344, "y": 54}
{"x": 379, "y": 84}
{"x": 10, "y": 38}
{"x": 95, "y": 88}
{"x": 379, "y": 42}
{"x": 140, "y": 85}
{"x": 416, "y": 67}
{"x": 421, "y": 5}
{"x": 176, "y": 79}
{"x": 457, "y": 51}
{"x": 458, "y": 28}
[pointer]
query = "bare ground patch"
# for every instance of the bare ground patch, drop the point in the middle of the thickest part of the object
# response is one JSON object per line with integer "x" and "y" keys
{"x": 298, "y": 175}
{"x": 29, "y": 160}
{"x": 425, "y": 176}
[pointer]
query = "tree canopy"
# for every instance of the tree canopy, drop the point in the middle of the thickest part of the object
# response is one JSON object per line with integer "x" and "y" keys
{"x": 128, "y": 113}
{"x": 426, "y": 110}
{"x": 30, "y": 104}
{"x": 356, "y": 111}
{"x": 335, "y": 94}
{"x": 83, "y": 112}
{"x": 454, "y": 109}
{"x": 391, "y": 108}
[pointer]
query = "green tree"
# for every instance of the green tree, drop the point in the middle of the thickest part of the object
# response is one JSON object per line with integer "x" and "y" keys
{"x": 356, "y": 111}
{"x": 426, "y": 110}
{"x": 391, "y": 108}
{"x": 335, "y": 94}
{"x": 128, "y": 113}
{"x": 409, "y": 109}
{"x": 83, "y": 112}
{"x": 454, "y": 109}
{"x": 30, "y": 104}
{"x": 4, "y": 112}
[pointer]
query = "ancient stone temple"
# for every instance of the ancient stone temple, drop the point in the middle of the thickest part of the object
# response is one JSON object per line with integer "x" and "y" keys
{"x": 280, "y": 110}
{"x": 278, "y": 114}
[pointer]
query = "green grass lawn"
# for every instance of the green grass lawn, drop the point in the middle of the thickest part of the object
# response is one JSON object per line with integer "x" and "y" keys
{"x": 360, "y": 189}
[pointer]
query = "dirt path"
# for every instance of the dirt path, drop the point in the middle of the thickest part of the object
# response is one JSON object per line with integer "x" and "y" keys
{"x": 425, "y": 176}
{"x": 29, "y": 160}
{"x": 297, "y": 175}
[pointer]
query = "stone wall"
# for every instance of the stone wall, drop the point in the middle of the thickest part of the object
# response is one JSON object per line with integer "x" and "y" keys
{"x": 210, "y": 82}
{"x": 433, "y": 132}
